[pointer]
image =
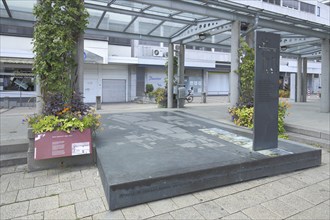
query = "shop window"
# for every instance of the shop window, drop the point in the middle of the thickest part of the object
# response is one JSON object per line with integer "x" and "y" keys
{"x": 18, "y": 83}
{"x": 149, "y": 43}
{"x": 291, "y": 4}
{"x": 17, "y": 79}
{"x": 307, "y": 7}
{"x": 274, "y": 2}
{"x": 119, "y": 41}
{"x": 16, "y": 31}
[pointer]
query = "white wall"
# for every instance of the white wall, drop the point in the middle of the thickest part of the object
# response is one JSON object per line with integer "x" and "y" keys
{"x": 98, "y": 47}
{"x": 120, "y": 51}
{"x": 290, "y": 65}
{"x": 156, "y": 77}
{"x": 323, "y": 19}
{"x": 99, "y": 72}
{"x": 20, "y": 47}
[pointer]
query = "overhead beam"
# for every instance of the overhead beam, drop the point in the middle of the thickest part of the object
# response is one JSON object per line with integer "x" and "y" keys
{"x": 200, "y": 27}
{"x": 209, "y": 45}
{"x": 131, "y": 22}
{"x": 316, "y": 53}
{"x": 16, "y": 22}
{"x": 157, "y": 26}
{"x": 7, "y": 8}
{"x": 108, "y": 33}
{"x": 136, "y": 13}
{"x": 92, "y": 31}
{"x": 197, "y": 9}
{"x": 219, "y": 30}
{"x": 231, "y": 16}
{"x": 249, "y": 9}
{"x": 306, "y": 49}
{"x": 298, "y": 41}
{"x": 182, "y": 30}
{"x": 104, "y": 12}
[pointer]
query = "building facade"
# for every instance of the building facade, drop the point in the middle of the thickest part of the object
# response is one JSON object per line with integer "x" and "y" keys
{"x": 119, "y": 69}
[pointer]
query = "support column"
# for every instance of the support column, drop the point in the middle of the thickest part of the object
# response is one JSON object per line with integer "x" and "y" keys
{"x": 205, "y": 81}
{"x": 293, "y": 87}
{"x": 325, "y": 70}
{"x": 80, "y": 64}
{"x": 234, "y": 79}
{"x": 250, "y": 36}
{"x": 39, "y": 103}
{"x": 170, "y": 76}
{"x": 181, "y": 64}
{"x": 181, "y": 59}
{"x": 304, "y": 80}
{"x": 299, "y": 79}
{"x": 129, "y": 84}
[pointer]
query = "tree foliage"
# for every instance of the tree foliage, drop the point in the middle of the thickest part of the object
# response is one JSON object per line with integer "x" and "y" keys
{"x": 175, "y": 70}
{"x": 59, "y": 24}
{"x": 246, "y": 74}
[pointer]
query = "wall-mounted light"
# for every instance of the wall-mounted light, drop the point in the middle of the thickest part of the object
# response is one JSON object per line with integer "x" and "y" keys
{"x": 284, "y": 48}
{"x": 202, "y": 36}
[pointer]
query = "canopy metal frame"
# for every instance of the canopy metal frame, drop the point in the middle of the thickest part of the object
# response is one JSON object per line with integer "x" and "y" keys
{"x": 183, "y": 22}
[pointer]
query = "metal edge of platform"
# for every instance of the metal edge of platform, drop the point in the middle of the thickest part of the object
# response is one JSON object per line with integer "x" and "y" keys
{"x": 137, "y": 192}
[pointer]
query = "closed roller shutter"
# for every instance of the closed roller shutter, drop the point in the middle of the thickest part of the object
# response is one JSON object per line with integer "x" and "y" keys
{"x": 218, "y": 84}
{"x": 114, "y": 90}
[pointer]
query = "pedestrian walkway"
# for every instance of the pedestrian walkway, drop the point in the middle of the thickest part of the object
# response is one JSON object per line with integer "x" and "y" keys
{"x": 72, "y": 193}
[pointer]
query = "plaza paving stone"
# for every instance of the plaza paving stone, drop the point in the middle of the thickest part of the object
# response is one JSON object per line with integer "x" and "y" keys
{"x": 8, "y": 197}
{"x": 303, "y": 194}
{"x": 210, "y": 210}
{"x": 31, "y": 193}
{"x": 186, "y": 213}
{"x": 260, "y": 212}
{"x": 67, "y": 212}
{"x": 162, "y": 206}
{"x": 89, "y": 207}
{"x": 67, "y": 198}
{"x": 138, "y": 212}
{"x": 291, "y": 196}
{"x": 185, "y": 200}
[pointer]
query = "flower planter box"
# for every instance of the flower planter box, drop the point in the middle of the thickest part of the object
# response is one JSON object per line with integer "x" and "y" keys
{"x": 61, "y": 144}
{"x": 60, "y": 149}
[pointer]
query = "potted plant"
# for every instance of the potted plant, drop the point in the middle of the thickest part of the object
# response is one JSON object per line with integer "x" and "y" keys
{"x": 64, "y": 128}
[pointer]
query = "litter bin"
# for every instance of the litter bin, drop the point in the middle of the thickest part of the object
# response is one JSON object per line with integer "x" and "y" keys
{"x": 203, "y": 97}
{"x": 98, "y": 102}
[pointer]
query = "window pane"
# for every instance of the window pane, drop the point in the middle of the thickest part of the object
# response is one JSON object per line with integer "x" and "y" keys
{"x": 291, "y": 4}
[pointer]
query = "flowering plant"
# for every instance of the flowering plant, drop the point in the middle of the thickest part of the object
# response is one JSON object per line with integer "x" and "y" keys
{"x": 60, "y": 115}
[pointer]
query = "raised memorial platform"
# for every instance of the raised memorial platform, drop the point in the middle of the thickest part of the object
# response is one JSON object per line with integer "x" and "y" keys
{"x": 150, "y": 156}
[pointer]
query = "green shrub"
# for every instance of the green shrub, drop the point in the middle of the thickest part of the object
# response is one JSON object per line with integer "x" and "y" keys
{"x": 68, "y": 123}
{"x": 246, "y": 74}
{"x": 243, "y": 116}
{"x": 149, "y": 88}
{"x": 284, "y": 93}
{"x": 59, "y": 115}
{"x": 160, "y": 97}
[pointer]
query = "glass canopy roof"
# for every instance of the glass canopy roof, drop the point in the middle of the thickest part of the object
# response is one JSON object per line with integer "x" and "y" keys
{"x": 181, "y": 21}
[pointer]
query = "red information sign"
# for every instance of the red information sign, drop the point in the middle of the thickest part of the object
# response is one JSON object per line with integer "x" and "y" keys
{"x": 61, "y": 144}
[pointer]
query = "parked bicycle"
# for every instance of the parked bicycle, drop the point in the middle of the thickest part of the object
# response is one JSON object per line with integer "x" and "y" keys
{"x": 190, "y": 96}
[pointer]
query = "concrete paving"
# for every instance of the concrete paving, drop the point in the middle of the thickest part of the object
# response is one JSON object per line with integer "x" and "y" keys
{"x": 74, "y": 193}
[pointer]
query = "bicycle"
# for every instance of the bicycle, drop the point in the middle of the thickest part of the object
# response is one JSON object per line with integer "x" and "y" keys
{"x": 190, "y": 97}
